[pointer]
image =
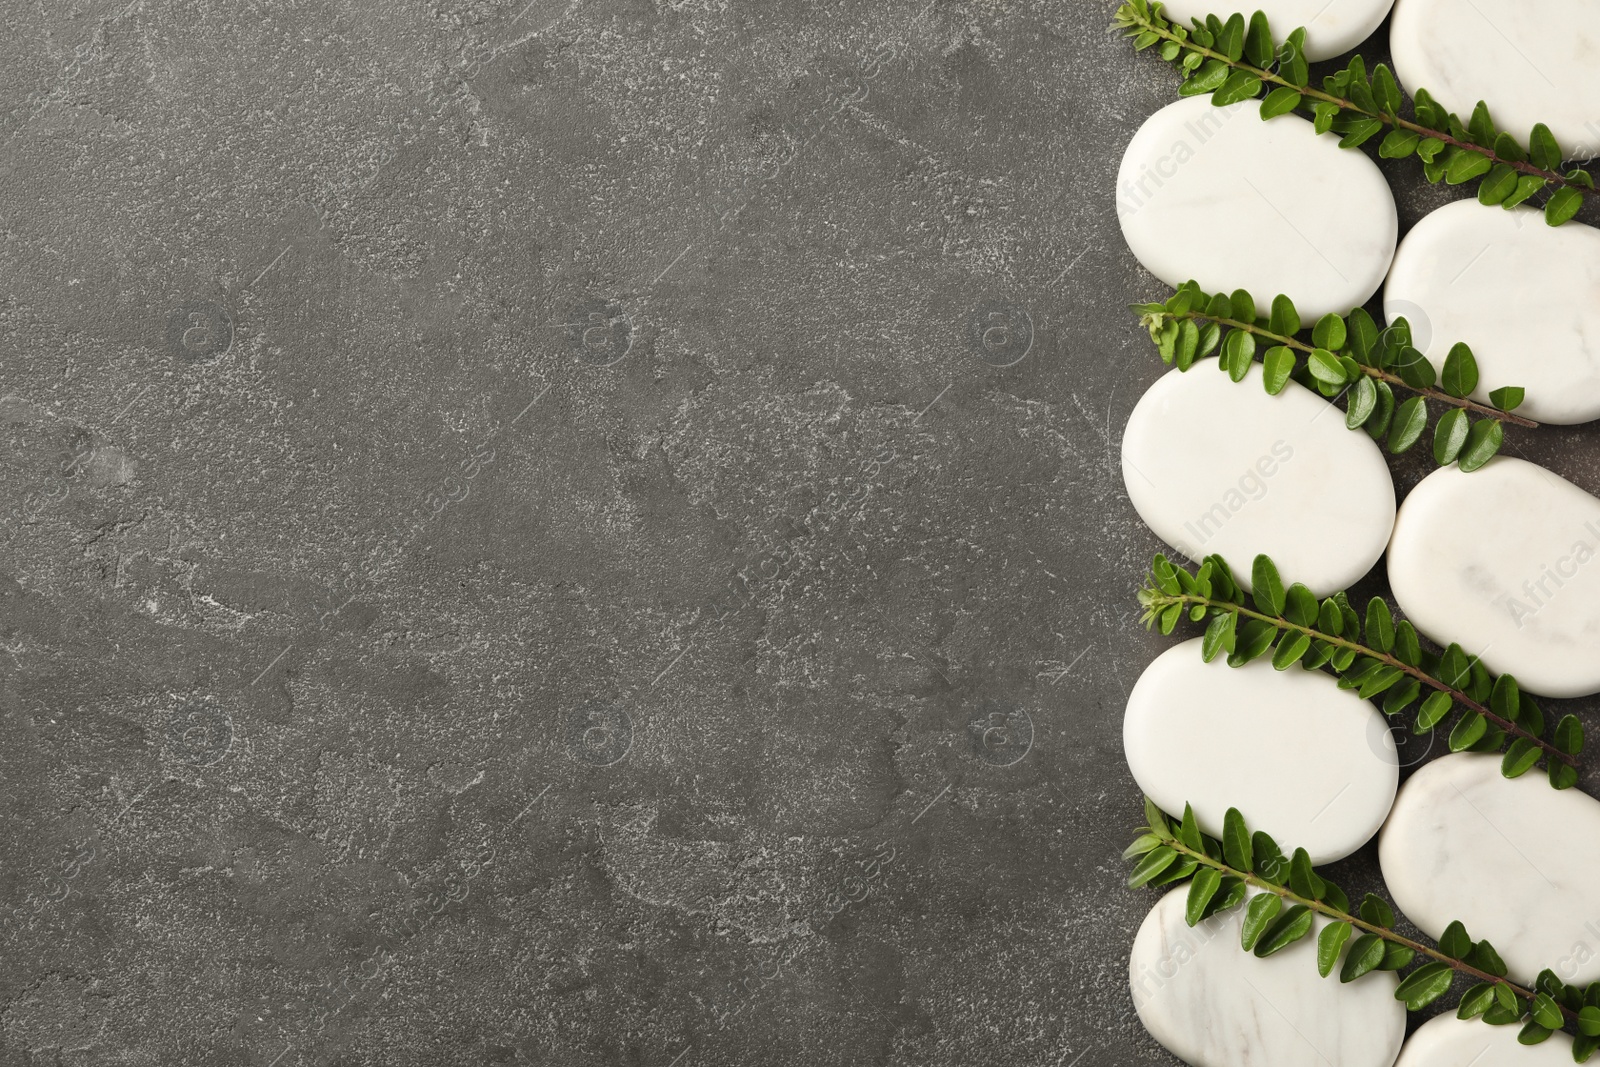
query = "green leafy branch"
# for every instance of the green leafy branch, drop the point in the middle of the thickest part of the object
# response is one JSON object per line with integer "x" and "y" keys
{"x": 1234, "y": 61}
{"x": 1291, "y": 894}
{"x": 1389, "y": 661}
{"x": 1342, "y": 354}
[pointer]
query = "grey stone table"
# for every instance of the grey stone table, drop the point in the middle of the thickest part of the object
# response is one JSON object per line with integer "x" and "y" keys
{"x": 577, "y": 533}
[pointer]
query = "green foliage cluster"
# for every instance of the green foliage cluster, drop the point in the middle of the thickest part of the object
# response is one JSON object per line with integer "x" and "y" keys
{"x": 1345, "y": 355}
{"x": 1290, "y": 894}
{"x": 1371, "y": 654}
{"x": 1236, "y": 60}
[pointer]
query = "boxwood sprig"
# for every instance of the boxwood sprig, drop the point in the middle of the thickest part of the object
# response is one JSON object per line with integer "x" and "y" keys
{"x": 1235, "y": 60}
{"x": 1290, "y": 893}
{"x": 1387, "y": 660}
{"x": 1340, "y": 355}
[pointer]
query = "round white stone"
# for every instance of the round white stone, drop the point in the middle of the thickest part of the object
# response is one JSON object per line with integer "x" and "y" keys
{"x": 1507, "y": 857}
{"x": 1532, "y": 64}
{"x": 1502, "y": 561}
{"x": 1445, "y": 1041}
{"x": 1218, "y": 196}
{"x": 1213, "y": 1004}
{"x": 1312, "y": 764}
{"x": 1220, "y": 467}
{"x": 1525, "y": 296}
{"x": 1333, "y": 27}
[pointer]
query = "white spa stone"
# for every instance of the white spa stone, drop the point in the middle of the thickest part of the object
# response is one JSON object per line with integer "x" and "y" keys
{"x": 1511, "y": 858}
{"x": 1313, "y": 764}
{"x": 1525, "y": 296}
{"x": 1215, "y": 466}
{"x": 1213, "y": 1004}
{"x": 1502, "y": 561}
{"x": 1445, "y": 1041}
{"x": 1332, "y": 26}
{"x": 1219, "y": 196}
{"x": 1531, "y": 62}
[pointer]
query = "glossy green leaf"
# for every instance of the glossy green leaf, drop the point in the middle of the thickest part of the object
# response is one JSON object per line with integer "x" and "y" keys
{"x": 1483, "y": 442}
{"x": 1330, "y": 942}
{"x": 1410, "y": 419}
{"x": 1259, "y": 915}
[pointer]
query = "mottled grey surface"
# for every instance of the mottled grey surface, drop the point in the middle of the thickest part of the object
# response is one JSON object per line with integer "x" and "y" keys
{"x": 578, "y": 534}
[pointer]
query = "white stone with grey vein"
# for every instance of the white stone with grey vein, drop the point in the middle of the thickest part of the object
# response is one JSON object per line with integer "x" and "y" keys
{"x": 1213, "y": 1004}
{"x": 1511, "y": 859}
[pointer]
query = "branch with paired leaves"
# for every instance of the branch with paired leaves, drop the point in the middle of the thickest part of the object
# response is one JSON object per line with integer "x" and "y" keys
{"x": 1389, "y": 661}
{"x": 1342, "y": 355}
{"x": 1290, "y": 894}
{"x": 1234, "y": 61}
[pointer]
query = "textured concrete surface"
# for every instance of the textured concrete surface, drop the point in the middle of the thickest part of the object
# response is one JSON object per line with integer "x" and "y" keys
{"x": 586, "y": 533}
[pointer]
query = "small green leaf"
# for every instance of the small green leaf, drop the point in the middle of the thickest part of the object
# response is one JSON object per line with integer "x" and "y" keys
{"x": 1363, "y": 403}
{"x": 1290, "y": 649}
{"x": 1206, "y": 882}
{"x": 1568, "y": 735}
{"x": 1507, "y": 398}
{"x": 1325, "y": 367}
{"x": 1562, "y": 205}
{"x": 1364, "y": 957}
{"x": 1486, "y": 959}
{"x": 1258, "y": 47}
{"x": 1241, "y": 85}
{"x": 1424, "y": 985}
{"x": 1433, "y": 711}
{"x": 1460, "y": 375}
{"x": 1376, "y": 910}
{"x": 1475, "y": 1001}
{"x": 1399, "y": 144}
{"x": 1482, "y": 443}
{"x": 1546, "y": 1012}
{"x": 1468, "y": 731}
{"x": 1290, "y": 927}
{"x": 1380, "y": 625}
{"x": 1278, "y": 365}
{"x": 1543, "y": 151}
{"x": 1220, "y": 636}
{"x": 1519, "y": 758}
{"x": 1266, "y": 586}
{"x": 1329, "y": 944}
{"x": 1152, "y": 864}
{"x": 1499, "y": 184}
{"x": 1532, "y": 1033}
{"x": 1450, "y": 436}
{"x": 1280, "y": 101}
{"x": 1465, "y": 166}
{"x": 1284, "y": 319}
{"x": 1188, "y": 831}
{"x": 1236, "y": 842}
{"x": 1455, "y": 941}
{"x": 1410, "y": 419}
{"x": 1589, "y": 1021}
{"x": 1258, "y": 916}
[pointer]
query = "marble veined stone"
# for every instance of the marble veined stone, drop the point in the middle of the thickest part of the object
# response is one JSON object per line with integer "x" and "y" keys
{"x": 1525, "y": 296}
{"x": 1332, "y": 26}
{"x": 1511, "y": 858}
{"x": 1311, "y": 764}
{"x": 1502, "y": 561}
{"x": 1213, "y": 1004}
{"x": 1445, "y": 1041}
{"x": 1531, "y": 62}
{"x": 1221, "y": 197}
{"x": 1217, "y": 466}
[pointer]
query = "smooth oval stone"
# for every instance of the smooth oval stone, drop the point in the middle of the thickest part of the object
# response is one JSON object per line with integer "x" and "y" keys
{"x": 1525, "y": 296}
{"x": 1221, "y": 197}
{"x": 1217, "y": 466}
{"x": 1531, "y": 63}
{"x": 1313, "y": 764}
{"x": 1215, "y": 1005}
{"x": 1510, "y": 858}
{"x": 1332, "y": 26}
{"x": 1445, "y": 1041}
{"x": 1502, "y": 562}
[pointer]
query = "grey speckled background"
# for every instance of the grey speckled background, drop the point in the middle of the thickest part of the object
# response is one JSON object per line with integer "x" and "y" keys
{"x": 513, "y": 555}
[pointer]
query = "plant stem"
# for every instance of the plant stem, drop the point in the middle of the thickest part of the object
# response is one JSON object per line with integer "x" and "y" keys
{"x": 1159, "y": 600}
{"x": 1372, "y": 372}
{"x": 1331, "y": 912}
{"x": 1523, "y": 167}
